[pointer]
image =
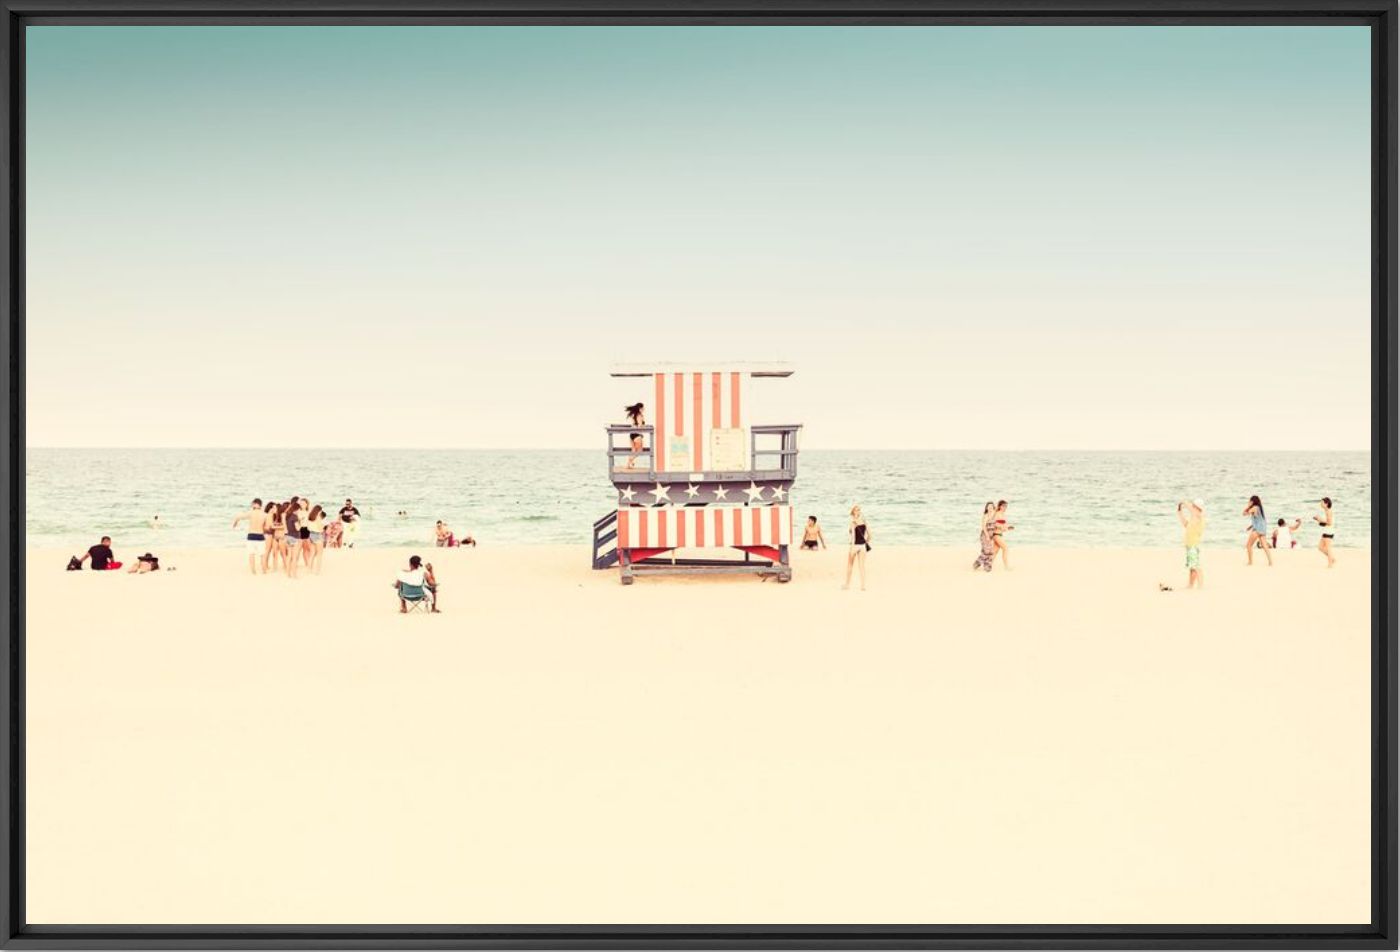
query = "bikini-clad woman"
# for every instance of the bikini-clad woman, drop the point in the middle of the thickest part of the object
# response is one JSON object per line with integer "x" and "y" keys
{"x": 270, "y": 537}
{"x": 1258, "y": 531}
{"x": 635, "y": 417}
{"x": 1327, "y": 522}
{"x": 279, "y": 536}
{"x": 859, "y": 535}
{"x": 999, "y": 527}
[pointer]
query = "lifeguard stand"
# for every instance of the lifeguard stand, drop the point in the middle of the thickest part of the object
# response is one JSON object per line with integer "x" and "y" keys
{"x": 705, "y": 479}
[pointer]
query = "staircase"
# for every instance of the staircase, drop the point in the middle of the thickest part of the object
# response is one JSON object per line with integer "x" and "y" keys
{"x": 604, "y": 541}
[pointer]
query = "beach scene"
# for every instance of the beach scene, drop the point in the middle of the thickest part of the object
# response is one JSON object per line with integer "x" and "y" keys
{"x": 718, "y": 477}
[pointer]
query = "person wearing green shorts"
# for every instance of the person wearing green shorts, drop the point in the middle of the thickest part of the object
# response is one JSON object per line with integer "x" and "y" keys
{"x": 1193, "y": 520}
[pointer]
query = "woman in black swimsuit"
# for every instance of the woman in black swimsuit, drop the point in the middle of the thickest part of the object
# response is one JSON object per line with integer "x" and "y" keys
{"x": 635, "y": 417}
{"x": 1327, "y": 522}
{"x": 859, "y": 534}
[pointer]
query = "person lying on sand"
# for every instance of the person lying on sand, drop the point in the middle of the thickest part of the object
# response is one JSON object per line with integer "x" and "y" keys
{"x": 145, "y": 563}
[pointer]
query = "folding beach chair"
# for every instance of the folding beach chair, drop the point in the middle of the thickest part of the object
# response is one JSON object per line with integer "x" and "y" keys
{"x": 415, "y": 596}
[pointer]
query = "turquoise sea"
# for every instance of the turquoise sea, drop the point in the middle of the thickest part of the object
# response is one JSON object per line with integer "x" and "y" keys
{"x": 73, "y": 496}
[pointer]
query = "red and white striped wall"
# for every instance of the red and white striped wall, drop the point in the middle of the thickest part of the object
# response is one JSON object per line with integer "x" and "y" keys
{"x": 703, "y": 527}
{"x": 691, "y": 405}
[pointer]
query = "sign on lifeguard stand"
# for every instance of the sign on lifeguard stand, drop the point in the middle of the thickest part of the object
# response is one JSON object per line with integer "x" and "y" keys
{"x": 696, "y": 480}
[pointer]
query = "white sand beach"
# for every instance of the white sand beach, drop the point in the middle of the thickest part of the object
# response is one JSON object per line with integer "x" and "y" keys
{"x": 1061, "y": 743}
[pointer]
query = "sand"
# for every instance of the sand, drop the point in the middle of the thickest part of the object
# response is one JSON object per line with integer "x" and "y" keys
{"x": 1061, "y": 743}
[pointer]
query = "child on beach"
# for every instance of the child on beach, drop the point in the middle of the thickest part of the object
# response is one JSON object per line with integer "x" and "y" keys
{"x": 1283, "y": 534}
{"x": 812, "y": 535}
{"x": 1193, "y": 520}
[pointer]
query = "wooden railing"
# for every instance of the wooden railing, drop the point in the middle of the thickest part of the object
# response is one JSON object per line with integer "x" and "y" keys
{"x": 772, "y": 450}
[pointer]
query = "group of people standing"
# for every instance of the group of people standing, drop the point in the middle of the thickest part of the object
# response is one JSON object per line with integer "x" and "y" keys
{"x": 1192, "y": 516}
{"x": 289, "y": 536}
{"x": 858, "y": 540}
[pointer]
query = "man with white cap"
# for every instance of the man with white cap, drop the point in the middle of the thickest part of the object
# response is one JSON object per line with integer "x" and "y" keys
{"x": 1193, "y": 519}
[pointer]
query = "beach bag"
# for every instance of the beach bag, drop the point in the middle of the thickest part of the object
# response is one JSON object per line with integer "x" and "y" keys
{"x": 74, "y": 564}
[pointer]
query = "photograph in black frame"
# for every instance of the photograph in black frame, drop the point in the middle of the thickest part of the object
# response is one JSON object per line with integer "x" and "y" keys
{"x": 1379, "y": 932}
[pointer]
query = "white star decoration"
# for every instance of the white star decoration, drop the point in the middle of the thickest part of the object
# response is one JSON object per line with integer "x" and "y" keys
{"x": 661, "y": 492}
{"x": 628, "y": 493}
{"x": 692, "y": 490}
{"x": 778, "y": 493}
{"x": 755, "y": 493}
{"x": 721, "y": 492}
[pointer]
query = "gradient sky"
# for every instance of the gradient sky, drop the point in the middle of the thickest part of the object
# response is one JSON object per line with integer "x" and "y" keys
{"x": 962, "y": 237}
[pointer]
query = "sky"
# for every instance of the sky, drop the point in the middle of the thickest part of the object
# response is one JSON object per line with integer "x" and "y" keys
{"x": 959, "y": 237}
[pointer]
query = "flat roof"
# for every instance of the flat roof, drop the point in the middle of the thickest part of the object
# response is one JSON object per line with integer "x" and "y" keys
{"x": 752, "y": 368}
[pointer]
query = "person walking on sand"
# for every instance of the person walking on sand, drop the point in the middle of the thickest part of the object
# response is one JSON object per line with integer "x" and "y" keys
{"x": 1193, "y": 520}
{"x": 1258, "y": 531}
{"x": 257, "y": 537}
{"x": 812, "y": 535}
{"x": 859, "y": 534}
{"x": 999, "y": 527}
{"x": 1327, "y": 522}
{"x": 988, "y": 554}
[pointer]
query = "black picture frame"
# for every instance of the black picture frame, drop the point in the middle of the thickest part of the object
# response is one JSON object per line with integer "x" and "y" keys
{"x": 1380, "y": 15}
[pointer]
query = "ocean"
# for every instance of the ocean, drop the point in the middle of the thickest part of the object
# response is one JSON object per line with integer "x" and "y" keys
{"x": 909, "y": 497}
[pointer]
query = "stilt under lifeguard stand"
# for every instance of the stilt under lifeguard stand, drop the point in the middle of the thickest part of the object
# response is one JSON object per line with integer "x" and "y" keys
{"x": 705, "y": 481}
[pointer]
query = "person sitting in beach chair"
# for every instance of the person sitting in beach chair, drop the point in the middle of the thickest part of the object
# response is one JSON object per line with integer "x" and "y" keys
{"x": 415, "y": 588}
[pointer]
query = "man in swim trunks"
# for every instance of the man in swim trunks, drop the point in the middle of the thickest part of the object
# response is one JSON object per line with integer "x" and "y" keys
{"x": 1193, "y": 520}
{"x": 257, "y": 532}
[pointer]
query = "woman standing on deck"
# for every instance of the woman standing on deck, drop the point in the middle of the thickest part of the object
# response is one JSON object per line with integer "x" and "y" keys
{"x": 989, "y": 549}
{"x": 859, "y": 534}
{"x": 999, "y": 526}
{"x": 635, "y": 417}
{"x": 1258, "y": 531}
{"x": 1327, "y": 522}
